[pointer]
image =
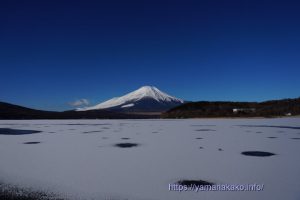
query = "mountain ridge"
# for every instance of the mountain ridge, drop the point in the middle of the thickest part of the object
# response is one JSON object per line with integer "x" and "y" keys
{"x": 11, "y": 111}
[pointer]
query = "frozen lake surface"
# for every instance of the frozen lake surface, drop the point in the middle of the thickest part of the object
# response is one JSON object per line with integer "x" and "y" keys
{"x": 138, "y": 159}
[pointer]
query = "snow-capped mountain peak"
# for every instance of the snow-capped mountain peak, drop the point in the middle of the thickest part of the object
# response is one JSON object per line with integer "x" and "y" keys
{"x": 150, "y": 94}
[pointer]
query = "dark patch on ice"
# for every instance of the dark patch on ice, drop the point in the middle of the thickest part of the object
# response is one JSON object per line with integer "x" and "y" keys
{"x": 9, "y": 131}
{"x": 201, "y": 125}
{"x": 295, "y": 138}
{"x": 92, "y": 132}
{"x": 219, "y": 149}
{"x": 51, "y": 132}
{"x": 258, "y": 153}
{"x": 125, "y": 138}
{"x": 11, "y": 192}
{"x": 155, "y": 132}
{"x": 126, "y": 145}
{"x": 31, "y": 142}
{"x": 84, "y": 124}
{"x": 205, "y": 130}
{"x": 269, "y": 126}
{"x": 272, "y": 137}
{"x": 199, "y": 138}
{"x": 193, "y": 183}
{"x": 71, "y": 129}
{"x": 258, "y": 132}
{"x": 200, "y": 147}
{"x": 280, "y": 132}
{"x": 105, "y": 128}
{"x": 9, "y": 124}
{"x": 122, "y": 124}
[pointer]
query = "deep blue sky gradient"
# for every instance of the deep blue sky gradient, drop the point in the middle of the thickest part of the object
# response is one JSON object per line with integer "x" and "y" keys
{"x": 55, "y": 52}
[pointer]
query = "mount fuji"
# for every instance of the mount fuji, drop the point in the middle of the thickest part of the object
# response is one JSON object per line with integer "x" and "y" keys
{"x": 144, "y": 99}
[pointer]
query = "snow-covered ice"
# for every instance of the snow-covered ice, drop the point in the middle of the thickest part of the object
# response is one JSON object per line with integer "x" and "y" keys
{"x": 79, "y": 159}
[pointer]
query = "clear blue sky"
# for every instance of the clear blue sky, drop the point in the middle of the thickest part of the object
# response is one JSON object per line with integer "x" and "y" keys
{"x": 55, "y": 52}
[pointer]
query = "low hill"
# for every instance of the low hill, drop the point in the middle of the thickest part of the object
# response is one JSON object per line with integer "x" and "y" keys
{"x": 203, "y": 109}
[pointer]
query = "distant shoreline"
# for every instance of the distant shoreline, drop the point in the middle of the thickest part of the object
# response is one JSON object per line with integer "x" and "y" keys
{"x": 190, "y": 110}
{"x": 276, "y": 117}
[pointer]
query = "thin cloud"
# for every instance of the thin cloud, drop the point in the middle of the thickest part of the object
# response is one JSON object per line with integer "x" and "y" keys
{"x": 80, "y": 102}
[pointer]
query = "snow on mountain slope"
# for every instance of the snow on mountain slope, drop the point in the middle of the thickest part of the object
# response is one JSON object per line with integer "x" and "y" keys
{"x": 147, "y": 96}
